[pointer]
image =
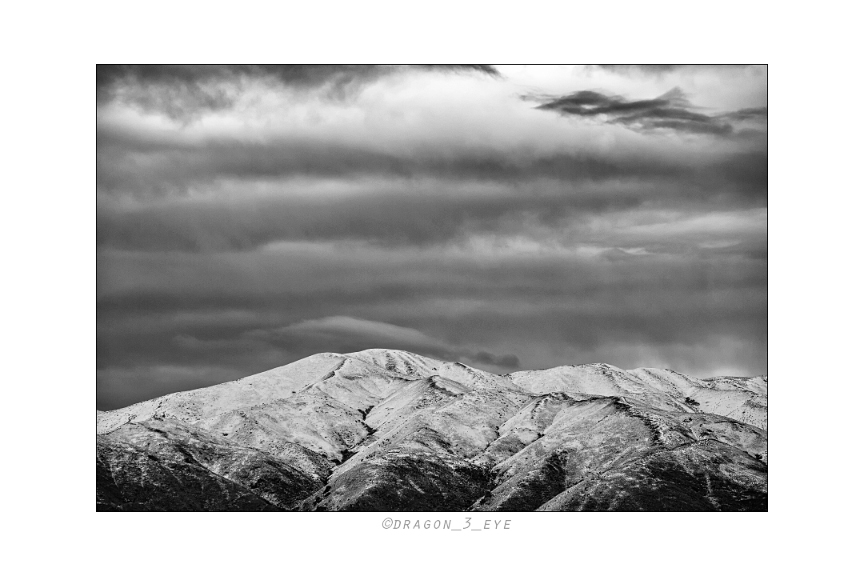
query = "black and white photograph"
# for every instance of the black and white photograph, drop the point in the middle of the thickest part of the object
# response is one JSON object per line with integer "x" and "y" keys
{"x": 473, "y": 289}
{"x": 427, "y": 288}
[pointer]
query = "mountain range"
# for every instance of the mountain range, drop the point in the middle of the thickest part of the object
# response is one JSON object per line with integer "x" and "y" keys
{"x": 388, "y": 430}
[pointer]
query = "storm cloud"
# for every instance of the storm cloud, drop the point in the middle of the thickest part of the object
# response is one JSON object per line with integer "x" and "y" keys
{"x": 187, "y": 91}
{"x": 250, "y": 216}
{"x": 671, "y": 110}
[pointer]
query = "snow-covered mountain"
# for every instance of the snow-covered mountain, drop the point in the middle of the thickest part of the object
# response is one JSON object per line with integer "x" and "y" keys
{"x": 392, "y": 430}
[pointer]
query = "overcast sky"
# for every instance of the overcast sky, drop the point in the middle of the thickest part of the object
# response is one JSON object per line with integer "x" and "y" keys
{"x": 508, "y": 217}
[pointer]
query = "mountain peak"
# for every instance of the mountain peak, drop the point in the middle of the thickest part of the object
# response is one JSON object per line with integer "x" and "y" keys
{"x": 384, "y": 429}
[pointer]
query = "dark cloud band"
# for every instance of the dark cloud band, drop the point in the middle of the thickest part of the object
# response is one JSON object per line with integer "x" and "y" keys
{"x": 184, "y": 91}
{"x": 672, "y": 111}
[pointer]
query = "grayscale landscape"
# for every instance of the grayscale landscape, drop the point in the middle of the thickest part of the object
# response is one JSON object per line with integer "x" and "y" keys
{"x": 387, "y": 430}
{"x": 431, "y": 287}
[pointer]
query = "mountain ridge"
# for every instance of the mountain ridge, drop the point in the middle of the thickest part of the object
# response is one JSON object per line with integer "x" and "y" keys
{"x": 387, "y": 429}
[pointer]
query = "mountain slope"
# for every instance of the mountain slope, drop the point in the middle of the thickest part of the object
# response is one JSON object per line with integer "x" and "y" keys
{"x": 392, "y": 430}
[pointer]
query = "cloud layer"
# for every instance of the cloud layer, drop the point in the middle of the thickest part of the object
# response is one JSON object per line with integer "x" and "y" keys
{"x": 670, "y": 111}
{"x": 250, "y": 216}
